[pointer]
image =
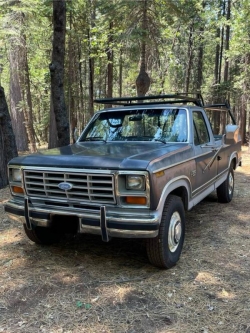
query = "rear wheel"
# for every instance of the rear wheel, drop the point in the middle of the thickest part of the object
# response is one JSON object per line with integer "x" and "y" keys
{"x": 164, "y": 250}
{"x": 226, "y": 190}
{"x": 41, "y": 235}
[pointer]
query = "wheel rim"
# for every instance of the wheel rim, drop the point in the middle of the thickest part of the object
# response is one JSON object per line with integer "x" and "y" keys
{"x": 174, "y": 232}
{"x": 230, "y": 183}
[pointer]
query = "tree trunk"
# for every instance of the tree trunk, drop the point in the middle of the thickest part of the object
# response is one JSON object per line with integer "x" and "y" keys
{"x": 245, "y": 101}
{"x": 200, "y": 68}
{"x": 110, "y": 55}
{"x": 18, "y": 121}
{"x": 70, "y": 76}
{"x": 222, "y": 41}
{"x": 190, "y": 58}
{"x": 57, "y": 73}
{"x": 91, "y": 86}
{"x": 227, "y": 40}
{"x": 81, "y": 122}
{"x": 26, "y": 96}
{"x": 226, "y": 66}
{"x": 247, "y": 65}
{"x": 8, "y": 148}
{"x": 143, "y": 80}
{"x": 91, "y": 62}
{"x": 217, "y": 58}
{"x": 243, "y": 118}
{"x": 52, "y": 127}
{"x": 120, "y": 73}
{"x": 217, "y": 76}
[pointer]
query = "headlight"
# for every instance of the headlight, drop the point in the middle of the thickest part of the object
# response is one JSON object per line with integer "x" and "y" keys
{"x": 135, "y": 183}
{"x": 16, "y": 175}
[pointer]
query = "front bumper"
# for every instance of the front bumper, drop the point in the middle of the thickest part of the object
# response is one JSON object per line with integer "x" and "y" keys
{"x": 105, "y": 221}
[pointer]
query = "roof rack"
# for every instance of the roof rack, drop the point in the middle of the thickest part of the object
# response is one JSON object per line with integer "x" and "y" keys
{"x": 221, "y": 107}
{"x": 155, "y": 99}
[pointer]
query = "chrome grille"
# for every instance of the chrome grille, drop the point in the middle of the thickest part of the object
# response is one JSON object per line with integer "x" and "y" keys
{"x": 86, "y": 187}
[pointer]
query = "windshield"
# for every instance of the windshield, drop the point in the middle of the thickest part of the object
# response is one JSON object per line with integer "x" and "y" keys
{"x": 164, "y": 125}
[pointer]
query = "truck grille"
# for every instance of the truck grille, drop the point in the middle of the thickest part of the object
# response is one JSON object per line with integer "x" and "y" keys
{"x": 86, "y": 187}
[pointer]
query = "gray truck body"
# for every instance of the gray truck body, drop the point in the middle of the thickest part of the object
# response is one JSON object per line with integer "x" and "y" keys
{"x": 91, "y": 181}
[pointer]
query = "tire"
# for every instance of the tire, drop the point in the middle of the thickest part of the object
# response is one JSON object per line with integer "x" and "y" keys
{"x": 226, "y": 190}
{"x": 41, "y": 235}
{"x": 164, "y": 250}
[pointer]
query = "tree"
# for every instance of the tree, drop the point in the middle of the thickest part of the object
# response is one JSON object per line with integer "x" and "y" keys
{"x": 185, "y": 45}
{"x": 91, "y": 60}
{"x": 25, "y": 90}
{"x": 17, "y": 114}
{"x": 57, "y": 73}
{"x": 240, "y": 64}
{"x": 14, "y": 46}
{"x": 143, "y": 80}
{"x": 110, "y": 56}
{"x": 8, "y": 148}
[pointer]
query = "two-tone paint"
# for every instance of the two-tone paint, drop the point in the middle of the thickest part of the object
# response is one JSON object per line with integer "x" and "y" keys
{"x": 185, "y": 169}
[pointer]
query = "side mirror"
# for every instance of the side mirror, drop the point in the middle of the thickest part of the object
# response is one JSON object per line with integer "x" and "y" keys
{"x": 232, "y": 135}
{"x": 223, "y": 139}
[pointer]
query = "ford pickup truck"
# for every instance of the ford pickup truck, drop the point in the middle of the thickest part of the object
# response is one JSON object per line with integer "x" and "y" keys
{"x": 133, "y": 172}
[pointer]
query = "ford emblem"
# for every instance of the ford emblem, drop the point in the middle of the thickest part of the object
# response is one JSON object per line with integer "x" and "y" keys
{"x": 65, "y": 186}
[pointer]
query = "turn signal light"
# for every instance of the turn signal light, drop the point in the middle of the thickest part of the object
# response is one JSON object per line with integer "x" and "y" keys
{"x": 136, "y": 200}
{"x": 17, "y": 189}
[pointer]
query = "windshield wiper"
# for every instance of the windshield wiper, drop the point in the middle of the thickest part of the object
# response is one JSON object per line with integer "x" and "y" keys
{"x": 160, "y": 140}
{"x": 95, "y": 138}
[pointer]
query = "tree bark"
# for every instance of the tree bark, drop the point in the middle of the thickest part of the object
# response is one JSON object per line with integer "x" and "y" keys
{"x": 8, "y": 148}
{"x": 217, "y": 77}
{"x": 91, "y": 61}
{"x": 57, "y": 73}
{"x": 17, "y": 115}
{"x": 26, "y": 96}
{"x": 217, "y": 58}
{"x": 243, "y": 113}
{"x": 190, "y": 58}
{"x": 143, "y": 80}
{"x": 110, "y": 56}
{"x": 222, "y": 41}
{"x": 200, "y": 67}
{"x": 80, "y": 121}
{"x": 227, "y": 41}
{"x": 120, "y": 72}
{"x": 226, "y": 66}
{"x": 52, "y": 127}
{"x": 245, "y": 101}
{"x": 91, "y": 85}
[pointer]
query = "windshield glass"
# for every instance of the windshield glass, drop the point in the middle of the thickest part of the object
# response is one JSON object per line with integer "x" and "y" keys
{"x": 164, "y": 125}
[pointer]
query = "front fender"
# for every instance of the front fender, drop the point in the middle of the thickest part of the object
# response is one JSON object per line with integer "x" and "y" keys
{"x": 175, "y": 184}
{"x": 234, "y": 155}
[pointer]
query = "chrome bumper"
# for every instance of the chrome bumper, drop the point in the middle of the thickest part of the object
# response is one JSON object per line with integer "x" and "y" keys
{"x": 105, "y": 221}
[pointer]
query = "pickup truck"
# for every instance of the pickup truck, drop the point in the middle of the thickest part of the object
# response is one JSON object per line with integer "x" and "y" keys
{"x": 133, "y": 172}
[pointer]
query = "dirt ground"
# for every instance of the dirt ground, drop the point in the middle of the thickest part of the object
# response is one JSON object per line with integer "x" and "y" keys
{"x": 85, "y": 285}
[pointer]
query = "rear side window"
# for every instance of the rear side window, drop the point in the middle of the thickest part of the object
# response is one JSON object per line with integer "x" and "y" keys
{"x": 201, "y": 134}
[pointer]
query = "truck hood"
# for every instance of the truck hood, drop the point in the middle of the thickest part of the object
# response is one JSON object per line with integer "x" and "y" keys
{"x": 107, "y": 155}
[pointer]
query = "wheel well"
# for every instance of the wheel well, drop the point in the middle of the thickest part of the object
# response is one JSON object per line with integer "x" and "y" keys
{"x": 183, "y": 194}
{"x": 233, "y": 163}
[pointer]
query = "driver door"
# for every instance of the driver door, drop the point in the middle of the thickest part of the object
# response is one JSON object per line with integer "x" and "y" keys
{"x": 206, "y": 171}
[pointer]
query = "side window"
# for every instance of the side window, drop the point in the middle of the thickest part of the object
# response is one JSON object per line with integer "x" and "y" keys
{"x": 196, "y": 138}
{"x": 201, "y": 134}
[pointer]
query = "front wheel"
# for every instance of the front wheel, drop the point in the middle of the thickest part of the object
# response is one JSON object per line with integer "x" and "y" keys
{"x": 41, "y": 235}
{"x": 164, "y": 250}
{"x": 226, "y": 190}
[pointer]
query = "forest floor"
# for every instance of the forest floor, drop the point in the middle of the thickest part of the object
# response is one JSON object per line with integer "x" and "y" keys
{"x": 85, "y": 285}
